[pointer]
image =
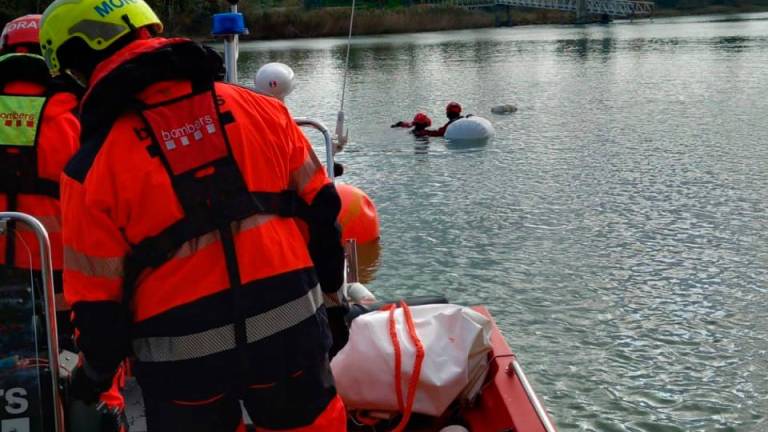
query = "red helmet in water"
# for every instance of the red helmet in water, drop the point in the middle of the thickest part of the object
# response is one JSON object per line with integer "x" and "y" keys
{"x": 453, "y": 107}
{"x": 24, "y": 30}
{"x": 421, "y": 119}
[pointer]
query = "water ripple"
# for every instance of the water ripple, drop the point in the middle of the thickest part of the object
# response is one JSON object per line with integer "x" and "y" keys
{"x": 617, "y": 226}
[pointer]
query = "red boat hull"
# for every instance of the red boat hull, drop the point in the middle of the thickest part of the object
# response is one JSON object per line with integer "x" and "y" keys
{"x": 503, "y": 404}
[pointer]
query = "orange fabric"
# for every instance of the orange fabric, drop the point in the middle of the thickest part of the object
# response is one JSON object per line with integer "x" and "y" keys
{"x": 58, "y": 141}
{"x": 332, "y": 419}
{"x": 407, "y": 406}
{"x": 127, "y": 197}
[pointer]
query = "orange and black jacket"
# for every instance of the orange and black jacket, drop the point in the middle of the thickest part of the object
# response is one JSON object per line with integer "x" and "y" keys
{"x": 29, "y": 173}
{"x": 181, "y": 228}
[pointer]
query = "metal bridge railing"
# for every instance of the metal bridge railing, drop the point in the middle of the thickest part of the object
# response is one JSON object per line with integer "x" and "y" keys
{"x": 621, "y": 8}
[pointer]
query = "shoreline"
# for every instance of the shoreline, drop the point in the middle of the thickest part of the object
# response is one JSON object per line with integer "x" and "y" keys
{"x": 710, "y": 10}
{"x": 298, "y": 23}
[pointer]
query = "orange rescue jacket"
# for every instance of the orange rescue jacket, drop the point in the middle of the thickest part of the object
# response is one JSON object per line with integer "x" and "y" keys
{"x": 180, "y": 271}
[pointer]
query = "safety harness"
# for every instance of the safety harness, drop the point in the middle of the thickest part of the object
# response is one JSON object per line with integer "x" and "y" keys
{"x": 188, "y": 136}
{"x": 20, "y": 121}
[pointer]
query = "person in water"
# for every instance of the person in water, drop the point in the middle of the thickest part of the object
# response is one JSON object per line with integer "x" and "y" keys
{"x": 420, "y": 123}
{"x": 452, "y": 111}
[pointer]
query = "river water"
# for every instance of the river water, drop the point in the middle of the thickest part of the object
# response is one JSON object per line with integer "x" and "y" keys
{"x": 617, "y": 225}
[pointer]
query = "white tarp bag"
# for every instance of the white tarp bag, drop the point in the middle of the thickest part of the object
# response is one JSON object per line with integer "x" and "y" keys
{"x": 456, "y": 343}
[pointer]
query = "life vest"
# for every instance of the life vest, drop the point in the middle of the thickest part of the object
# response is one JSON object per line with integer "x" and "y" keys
{"x": 188, "y": 136}
{"x": 21, "y": 118}
{"x": 20, "y": 121}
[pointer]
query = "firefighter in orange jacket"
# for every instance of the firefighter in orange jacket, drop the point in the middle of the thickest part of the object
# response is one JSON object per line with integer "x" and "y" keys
{"x": 39, "y": 133}
{"x": 181, "y": 232}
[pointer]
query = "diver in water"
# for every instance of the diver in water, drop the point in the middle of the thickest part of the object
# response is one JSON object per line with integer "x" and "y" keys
{"x": 420, "y": 123}
{"x": 452, "y": 111}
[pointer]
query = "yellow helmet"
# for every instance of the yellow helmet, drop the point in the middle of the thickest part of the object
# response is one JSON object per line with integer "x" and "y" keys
{"x": 99, "y": 23}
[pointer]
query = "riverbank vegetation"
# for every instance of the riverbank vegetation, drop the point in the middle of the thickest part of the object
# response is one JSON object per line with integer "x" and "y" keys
{"x": 680, "y": 8}
{"x": 334, "y": 21}
{"x": 276, "y": 19}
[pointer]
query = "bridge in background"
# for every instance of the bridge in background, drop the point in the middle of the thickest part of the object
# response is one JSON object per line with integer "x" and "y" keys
{"x": 582, "y": 8}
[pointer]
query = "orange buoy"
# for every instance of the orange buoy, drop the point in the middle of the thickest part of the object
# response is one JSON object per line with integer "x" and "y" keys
{"x": 358, "y": 218}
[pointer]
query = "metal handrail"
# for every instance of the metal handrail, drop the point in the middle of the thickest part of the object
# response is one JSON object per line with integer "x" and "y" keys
{"x": 303, "y": 121}
{"x": 46, "y": 269}
{"x": 537, "y": 405}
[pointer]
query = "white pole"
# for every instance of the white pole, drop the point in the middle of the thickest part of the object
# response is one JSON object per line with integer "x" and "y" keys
{"x": 230, "y": 53}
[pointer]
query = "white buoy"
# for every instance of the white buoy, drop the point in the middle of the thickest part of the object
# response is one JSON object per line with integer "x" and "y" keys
{"x": 274, "y": 79}
{"x": 470, "y": 129}
{"x": 504, "y": 109}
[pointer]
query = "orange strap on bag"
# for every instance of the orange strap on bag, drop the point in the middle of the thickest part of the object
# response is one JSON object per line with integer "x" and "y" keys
{"x": 406, "y": 407}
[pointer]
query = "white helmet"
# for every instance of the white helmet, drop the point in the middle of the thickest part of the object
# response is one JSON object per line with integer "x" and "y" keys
{"x": 274, "y": 79}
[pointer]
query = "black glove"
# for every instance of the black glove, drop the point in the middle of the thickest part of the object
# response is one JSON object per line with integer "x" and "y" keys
{"x": 398, "y": 124}
{"x": 87, "y": 385}
{"x": 339, "y": 329}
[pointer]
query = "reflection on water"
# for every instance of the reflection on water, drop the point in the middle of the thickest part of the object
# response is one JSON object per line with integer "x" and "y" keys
{"x": 368, "y": 261}
{"x": 467, "y": 145}
{"x": 617, "y": 224}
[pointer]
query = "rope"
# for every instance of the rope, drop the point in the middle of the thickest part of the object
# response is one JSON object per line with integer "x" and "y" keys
{"x": 346, "y": 64}
{"x": 407, "y": 407}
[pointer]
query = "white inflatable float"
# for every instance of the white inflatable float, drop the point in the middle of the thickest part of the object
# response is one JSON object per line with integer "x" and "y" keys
{"x": 274, "y": 79}
{"x": 472, "y": 128}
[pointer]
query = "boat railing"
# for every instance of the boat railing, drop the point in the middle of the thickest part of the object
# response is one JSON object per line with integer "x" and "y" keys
{"x": 317, "y": 125}
{"x": 46, "y": 270}
{"x": 537, "y": 405}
